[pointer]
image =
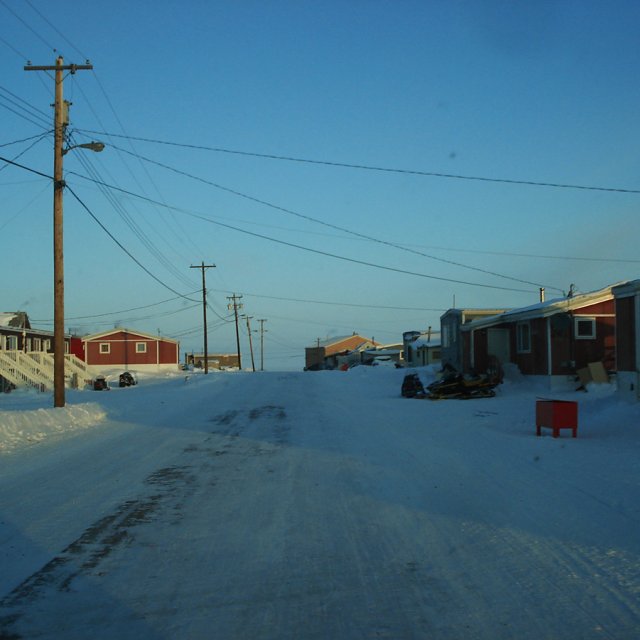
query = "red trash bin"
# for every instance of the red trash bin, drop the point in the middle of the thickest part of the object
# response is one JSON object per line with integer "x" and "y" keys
{"x": 556, "y": 415}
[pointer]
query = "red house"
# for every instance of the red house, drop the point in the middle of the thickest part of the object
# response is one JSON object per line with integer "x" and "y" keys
{"x": 551, "y": 340}
{"x": 627, "y": 301}
{"x": 130, "y": 350}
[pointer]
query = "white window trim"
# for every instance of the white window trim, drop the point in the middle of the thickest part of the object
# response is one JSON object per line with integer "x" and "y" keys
{"x": 102, "y": 350}
{"x": 577, "y": 320}
{"x": 519, "y": 346}
{"x": 141, "y": 347}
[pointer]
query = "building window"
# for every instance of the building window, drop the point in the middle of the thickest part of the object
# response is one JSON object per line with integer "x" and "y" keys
{"x": 47, "y": 345}
{"x": 37, "y": 344}
{"x": 141, "y": 347}
{"x": 12, "y": 343}
{"x": 523, "y": 337}
{"x": 585, "y": 328}
{"x": 105, "y": 347}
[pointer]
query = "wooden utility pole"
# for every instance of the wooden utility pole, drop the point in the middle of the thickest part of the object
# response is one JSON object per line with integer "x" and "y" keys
{"x": 253, "y": 364}
{"x": 262, "y": 330}
{"x": 60, "y": 120}
{"x": 235, "y": 305}
{"x": 204, "y": 266}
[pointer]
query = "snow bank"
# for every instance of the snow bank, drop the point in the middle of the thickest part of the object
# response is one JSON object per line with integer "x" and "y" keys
{"x": 21, "y": 428}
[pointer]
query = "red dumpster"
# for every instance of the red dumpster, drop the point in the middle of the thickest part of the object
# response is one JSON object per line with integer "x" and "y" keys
{"x": 556, "y": 415}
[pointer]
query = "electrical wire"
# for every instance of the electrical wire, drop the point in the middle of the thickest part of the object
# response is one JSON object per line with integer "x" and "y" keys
{"x": 56, "y": 30}
{"x": 317, "y": 251}
{"x": 33, "y": 144}
{"x": 135, "y": 227}
{"x": 332, "y": 303}
{"x": 343, "y": 229}
{"x": 149, "y": 273}
{"x": 364, "y": 167}
{"x": 27, "y": 25}
{"x": 38, "y": 135}
{"x": 117, "y": 313}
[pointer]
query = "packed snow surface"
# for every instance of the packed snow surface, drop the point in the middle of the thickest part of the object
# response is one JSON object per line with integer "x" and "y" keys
{"x": 316, "y": 505}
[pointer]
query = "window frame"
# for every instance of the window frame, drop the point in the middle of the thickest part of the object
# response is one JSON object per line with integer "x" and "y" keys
{"x": 578, "y": 320}
{"x": 141, "y": 347}
{"x": 104, "y": 348}
{"x": 521, "y": 347}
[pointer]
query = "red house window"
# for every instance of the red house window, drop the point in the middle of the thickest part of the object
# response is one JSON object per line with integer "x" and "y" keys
{"x": 585, "y": 328}
{"x": 105, "y": 347}
{"x": 141, "y": 347}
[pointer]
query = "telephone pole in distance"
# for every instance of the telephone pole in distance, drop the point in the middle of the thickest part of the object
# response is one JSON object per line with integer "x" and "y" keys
{"x": 253, "y": 364}
{"x": 204, "y": 266}
{"x": 235, "y": 305}
{"x": 262, "y": 332}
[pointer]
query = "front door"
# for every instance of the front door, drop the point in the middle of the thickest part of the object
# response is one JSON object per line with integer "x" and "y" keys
{"x": 498, "y": 344}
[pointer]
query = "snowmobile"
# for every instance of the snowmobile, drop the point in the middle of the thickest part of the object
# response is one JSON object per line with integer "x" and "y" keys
{"x": 462, "y": 386}
{"x": 412, "y": 387}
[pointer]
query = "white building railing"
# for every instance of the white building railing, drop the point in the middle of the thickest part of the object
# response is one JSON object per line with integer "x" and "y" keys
{"x": 35, "y": 369}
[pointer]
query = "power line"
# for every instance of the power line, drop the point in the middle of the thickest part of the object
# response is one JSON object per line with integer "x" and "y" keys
{"x": 27, "y": 25}
{"x": 333, "y": 226}
{"x": 317, "y": 251}
{"x": 39, "y": 136}
{"x": 332, "y": 303}
{"x": 130, "y": 221}
{"x": 257, "y": 235}
{"x": 115, "y": 313}
{"x": 33, "y": 144}
{"x": 56, "y": 30}
{"x": 364, "y": 167}
{"x": 96, "y": 219}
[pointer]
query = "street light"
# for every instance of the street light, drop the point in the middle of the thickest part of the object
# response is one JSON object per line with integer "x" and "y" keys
{"x": 93, "y": 146}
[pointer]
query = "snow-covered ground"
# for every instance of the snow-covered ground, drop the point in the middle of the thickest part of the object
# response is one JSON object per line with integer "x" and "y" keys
{"x": 316, "y": 505}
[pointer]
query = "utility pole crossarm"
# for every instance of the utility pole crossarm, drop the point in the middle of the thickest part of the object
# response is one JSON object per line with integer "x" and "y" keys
{"x": 59, "y": 67}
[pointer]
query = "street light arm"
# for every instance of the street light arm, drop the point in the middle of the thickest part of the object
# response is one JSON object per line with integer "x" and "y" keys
{"x": 92, "y": 146}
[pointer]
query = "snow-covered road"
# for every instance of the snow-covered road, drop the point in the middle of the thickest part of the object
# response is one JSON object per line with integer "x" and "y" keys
{"x": 293, "y": 505}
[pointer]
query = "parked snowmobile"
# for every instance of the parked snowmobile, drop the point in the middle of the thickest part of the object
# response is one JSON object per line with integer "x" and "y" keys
{"x": 463, "y": 386}
{"x": 412, "y": 386}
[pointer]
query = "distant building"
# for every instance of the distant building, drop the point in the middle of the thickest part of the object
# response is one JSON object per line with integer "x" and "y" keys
{"x": 133, "y": 350}
{"x": 331, "y": 353}
{"x": 214, "y": 360}
{"x": 421, "y": 348}
{"x": 451, "y": 323}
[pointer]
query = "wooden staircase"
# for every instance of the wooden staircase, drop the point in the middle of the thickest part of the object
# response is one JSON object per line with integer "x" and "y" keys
{"x": 34, "y": 369}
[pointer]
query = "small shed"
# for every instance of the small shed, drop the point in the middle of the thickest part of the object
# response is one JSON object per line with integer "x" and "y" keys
{"x": 132, "y": 350}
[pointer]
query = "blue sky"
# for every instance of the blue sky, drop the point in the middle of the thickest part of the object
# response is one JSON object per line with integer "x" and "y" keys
{"x": 542, "y": 92}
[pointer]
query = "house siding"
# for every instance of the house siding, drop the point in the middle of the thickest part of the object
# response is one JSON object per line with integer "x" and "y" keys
{"x": 549, "y": 334}
{"x": 626, "y": 333}
{"x": 123, "y": 353}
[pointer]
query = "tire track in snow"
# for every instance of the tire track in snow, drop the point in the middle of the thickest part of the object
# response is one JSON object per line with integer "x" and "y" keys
{"x": 167, "y": 490}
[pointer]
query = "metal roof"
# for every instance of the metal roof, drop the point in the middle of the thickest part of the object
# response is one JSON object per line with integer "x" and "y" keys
{"x": 544, "y": 309}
